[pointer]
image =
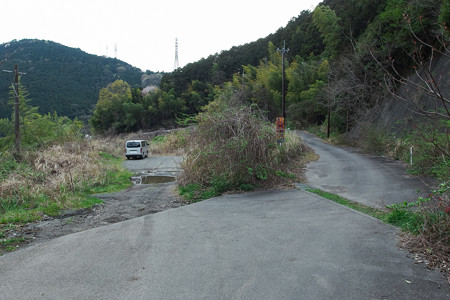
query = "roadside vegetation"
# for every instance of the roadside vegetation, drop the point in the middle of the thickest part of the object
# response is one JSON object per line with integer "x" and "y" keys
{"x": 57, "y": 170}
{"x": 425, "y": 149}
{"x": 425, "y": 229}
{"x": 234, "y": 148}
{"x": 346, "y": 57}
{"x": 425, "y": 220}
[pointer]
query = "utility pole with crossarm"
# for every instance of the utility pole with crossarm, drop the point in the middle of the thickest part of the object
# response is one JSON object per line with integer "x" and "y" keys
{"x": 283, "y": 92}
{"x": 16, "y": 108}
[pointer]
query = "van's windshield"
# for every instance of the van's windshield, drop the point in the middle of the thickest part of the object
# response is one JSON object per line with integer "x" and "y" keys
{"x": 133, "y": 144}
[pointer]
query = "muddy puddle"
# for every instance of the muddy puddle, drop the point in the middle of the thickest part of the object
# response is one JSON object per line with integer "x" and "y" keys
{"x": 152, "y": 179}
{"x": 156, "y": 179}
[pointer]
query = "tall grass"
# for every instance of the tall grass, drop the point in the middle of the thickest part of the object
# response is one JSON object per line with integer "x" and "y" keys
{"x": 48, "y": 180}
{"x": 172, "y": 143}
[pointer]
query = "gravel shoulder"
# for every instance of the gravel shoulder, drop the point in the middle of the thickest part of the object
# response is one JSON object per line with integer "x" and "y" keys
{"x": 136, "y": 201}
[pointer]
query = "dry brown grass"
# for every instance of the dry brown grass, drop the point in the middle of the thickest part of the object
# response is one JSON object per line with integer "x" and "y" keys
{"x": 172, "y": 143}
{"x": 50, "y": 175}
{"x": 237, "y": 146}
{"x": 432, "y": 244}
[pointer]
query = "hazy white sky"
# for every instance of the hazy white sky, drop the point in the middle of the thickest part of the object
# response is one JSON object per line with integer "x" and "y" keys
{"x": 145, "y": 30}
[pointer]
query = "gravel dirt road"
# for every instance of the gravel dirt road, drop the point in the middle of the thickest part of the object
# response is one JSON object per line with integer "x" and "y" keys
{"x": 138, "y": 200}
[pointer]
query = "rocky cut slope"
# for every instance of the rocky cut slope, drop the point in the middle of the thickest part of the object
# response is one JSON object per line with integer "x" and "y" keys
{"x": 399, "y": 113}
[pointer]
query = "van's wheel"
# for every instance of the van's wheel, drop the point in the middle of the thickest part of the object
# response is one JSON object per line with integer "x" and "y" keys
{"x": 128, "y": 157}
{"x": 143, "y": 156}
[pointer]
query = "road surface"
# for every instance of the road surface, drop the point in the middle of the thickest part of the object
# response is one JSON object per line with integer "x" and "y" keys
{"x": 370, "y": 180}
{"x": 286, "y": 244}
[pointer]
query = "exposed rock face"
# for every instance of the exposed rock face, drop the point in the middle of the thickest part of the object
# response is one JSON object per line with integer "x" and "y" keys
{"x": 397, "y": 117}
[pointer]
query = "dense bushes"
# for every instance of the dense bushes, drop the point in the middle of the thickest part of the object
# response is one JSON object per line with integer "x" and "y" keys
{"x": 431, "y": 150}
{"x": 235, "y": 148}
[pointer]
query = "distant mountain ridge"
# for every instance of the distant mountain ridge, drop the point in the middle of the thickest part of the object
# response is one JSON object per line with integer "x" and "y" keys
{"x": 59, "y": 78}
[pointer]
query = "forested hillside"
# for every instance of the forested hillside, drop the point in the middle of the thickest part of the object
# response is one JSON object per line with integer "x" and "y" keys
{"x": 302, "y": 37}
{"x": 60, "y": 78}
{"x": 344, "y": 58}
{"x": 339, "y": 55}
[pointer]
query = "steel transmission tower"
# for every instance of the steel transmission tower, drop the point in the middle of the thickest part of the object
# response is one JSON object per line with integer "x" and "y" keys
{"x": 176, "y": 65}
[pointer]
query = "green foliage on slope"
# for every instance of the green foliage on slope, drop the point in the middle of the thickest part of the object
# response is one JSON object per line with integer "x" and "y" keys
{"x": 60, "y": 78}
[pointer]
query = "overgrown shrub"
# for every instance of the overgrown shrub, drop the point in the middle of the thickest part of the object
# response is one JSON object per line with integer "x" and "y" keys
{"x": 40, "y": 131}
{"x": 373, "y": 141}
{"x": 431, "y": 150}
{"x": 429, "y": 224}
{"x": 233, "y": 147}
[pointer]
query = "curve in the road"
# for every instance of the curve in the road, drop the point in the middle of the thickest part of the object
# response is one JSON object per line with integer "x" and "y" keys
{"x": 373, "y": 181}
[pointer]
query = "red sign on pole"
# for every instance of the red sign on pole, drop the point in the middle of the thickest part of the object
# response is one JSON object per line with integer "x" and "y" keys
{"x": 280, "y": 129}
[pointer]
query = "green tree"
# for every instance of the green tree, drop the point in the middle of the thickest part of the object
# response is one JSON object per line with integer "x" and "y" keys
{"x": 26, "y": 111}
{"x": 328, "y": 23}
{"x": 151, "y": 107}
{"x": 197, "y": 95}
{"x": 109, "y": 111}
{"x": 170, "y": 105}
{"x": 444, "y": 16}
{"x": 36, "y": 130}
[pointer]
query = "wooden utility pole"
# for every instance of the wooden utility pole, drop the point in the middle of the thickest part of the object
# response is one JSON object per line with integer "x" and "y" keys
{"x": 329, "y": 111}
{"x": 283, "y": 92}
{"x": 16, "y": 110}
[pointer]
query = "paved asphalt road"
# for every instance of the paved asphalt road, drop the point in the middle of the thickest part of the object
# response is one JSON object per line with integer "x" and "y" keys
{"x": 263, "y": 245}
{"x": 373, "y": 181}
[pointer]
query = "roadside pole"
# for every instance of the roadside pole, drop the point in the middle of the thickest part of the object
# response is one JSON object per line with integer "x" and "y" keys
{"x": 280, "y": 122}
{"x": 16, "y": 109}
{"x": 283, "y": 92}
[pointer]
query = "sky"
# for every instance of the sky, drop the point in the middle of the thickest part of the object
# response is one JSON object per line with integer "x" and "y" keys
{"x": 143, "y": 32}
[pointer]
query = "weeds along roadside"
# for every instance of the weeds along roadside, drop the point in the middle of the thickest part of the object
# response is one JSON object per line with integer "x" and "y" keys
{"x": 427, "y": 219}
{"x": 425, "y": 233}
{"x": 424, "y": 221}
{"x": 62, "y": 176}
{"x": 57, "y": 177}
{"x": 234, "y": 149}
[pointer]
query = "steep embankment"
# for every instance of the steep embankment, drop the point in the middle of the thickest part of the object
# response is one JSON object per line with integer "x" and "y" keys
{"x": 398, "y": 117}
